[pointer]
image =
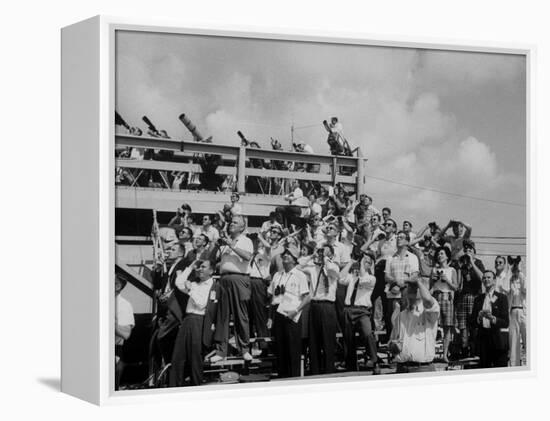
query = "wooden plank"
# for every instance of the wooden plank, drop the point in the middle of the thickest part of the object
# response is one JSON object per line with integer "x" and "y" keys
{"x": 168, "y": 200}
{"x": 170, "y": 166}
{"x": 174, "y": 145}
{"x": 290, "y": 175}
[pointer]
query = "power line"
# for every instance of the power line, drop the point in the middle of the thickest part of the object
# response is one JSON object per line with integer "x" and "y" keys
{"x": 498, "y": 238}
{"x": 464, "y": 196}
{"x": 501, "y": 244}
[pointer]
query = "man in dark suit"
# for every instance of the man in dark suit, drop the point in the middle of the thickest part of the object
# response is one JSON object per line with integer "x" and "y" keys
{"x": 196, "y": 331}
{"x": 490, "y": 318}
{"x": 171, "y": 302}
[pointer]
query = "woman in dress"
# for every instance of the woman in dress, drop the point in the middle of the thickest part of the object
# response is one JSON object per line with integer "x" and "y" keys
{"x": 444, "y": 284}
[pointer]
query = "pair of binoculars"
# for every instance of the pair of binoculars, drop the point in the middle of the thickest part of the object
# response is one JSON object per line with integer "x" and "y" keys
{"x": 279, "y": 290}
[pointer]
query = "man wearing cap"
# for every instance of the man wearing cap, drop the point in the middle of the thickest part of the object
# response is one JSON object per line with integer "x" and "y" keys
{"x": 490, "y": 317}
{"x": 413, "y": 338}
{"x": 235, "y": 255}
{"x": 290, "y": 292}
{"x": 124, "y": 323}
{"x": 323, "y": 323}
{"x": 470, "y": 271}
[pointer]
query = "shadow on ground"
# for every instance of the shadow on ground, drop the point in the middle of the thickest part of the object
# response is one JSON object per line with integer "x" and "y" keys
{"x": 53, "y": 383}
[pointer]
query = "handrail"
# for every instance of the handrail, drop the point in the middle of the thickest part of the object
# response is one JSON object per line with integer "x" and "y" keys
{"x": 241, "y": 155}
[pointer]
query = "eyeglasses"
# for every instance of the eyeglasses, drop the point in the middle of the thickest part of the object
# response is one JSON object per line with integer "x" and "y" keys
{"x": 389, "y": 224}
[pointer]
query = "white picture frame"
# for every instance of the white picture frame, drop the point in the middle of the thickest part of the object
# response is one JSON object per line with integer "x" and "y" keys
{"x": 88, "y": 194}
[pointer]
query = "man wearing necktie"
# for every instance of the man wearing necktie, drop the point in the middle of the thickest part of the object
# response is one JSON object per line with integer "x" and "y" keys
{"x": 323, "y": 323}
{"x": 491, "y": 319}
{"x": 360, "y": 281}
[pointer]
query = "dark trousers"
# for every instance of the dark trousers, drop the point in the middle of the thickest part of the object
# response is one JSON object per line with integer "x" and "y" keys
{"x": 390, "y": 308}
{"x": 490, "y": 353}
{"x": 288, "y": 345}
{"x": 258, "y": 308}
{"x": 415, "y": 368}
{"x": 187, "y": 355}
{"x": 291, "y": 214}
{"x": 378, "y": 292}
{"x": 341, "y": 291}
{"x": 323, "y": 326}
{"x": 234, "y": 300}
{"x": 358, "y": 319}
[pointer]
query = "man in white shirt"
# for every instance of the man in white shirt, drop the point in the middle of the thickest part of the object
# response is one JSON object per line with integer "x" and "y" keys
{"x": 235, "y": 257}
{"x": 323, "y": 323}
{"x": 289, "y": 290}
{"x": 503, "y": 275}
{"x": 400, "y": 268}
{"x": 359, "y": 279}
{"x": 341, "y": 258}
{"x": 208, "y": 229}
{"x": 188, "y": 348}
{"x": 297, "y": 208}
{"x": 124, "y": 323}
{"x": 413, "y": 338}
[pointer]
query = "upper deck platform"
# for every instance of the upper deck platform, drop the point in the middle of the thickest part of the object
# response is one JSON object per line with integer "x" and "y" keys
{"x": 238, "y": 163}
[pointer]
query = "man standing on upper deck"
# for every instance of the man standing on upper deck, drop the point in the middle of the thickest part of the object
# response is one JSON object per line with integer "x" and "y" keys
{"x": 235, "y": 253}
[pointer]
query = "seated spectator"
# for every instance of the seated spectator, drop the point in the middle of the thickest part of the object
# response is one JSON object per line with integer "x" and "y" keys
{"x": 236, "y": 208}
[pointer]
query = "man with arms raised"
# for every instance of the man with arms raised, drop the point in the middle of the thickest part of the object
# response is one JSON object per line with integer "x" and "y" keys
{"x": 400, "y": 268}
{"x": 412, "y": 341}
{"x": 235, "y": 255}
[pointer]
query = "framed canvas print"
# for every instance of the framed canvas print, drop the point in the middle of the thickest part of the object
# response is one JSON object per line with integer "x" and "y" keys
{"x": 244, "y": 211}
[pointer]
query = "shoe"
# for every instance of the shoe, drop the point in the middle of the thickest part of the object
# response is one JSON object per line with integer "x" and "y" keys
{"x": 376, "y": 369}
{"x": 247, "y": 356}
{"x": 216, "y": 358}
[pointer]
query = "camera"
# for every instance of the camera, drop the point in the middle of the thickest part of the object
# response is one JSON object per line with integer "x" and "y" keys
{"x": 381, "y": 236}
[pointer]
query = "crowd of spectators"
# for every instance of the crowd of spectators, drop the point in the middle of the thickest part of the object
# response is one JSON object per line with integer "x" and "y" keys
{"x": 327, "y": 263}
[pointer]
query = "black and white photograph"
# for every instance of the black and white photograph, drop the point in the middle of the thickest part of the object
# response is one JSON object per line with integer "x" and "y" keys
{"x": 290, "y": 209}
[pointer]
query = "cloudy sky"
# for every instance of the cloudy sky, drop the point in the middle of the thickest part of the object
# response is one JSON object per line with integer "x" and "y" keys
{"x": 449, "y": 121}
